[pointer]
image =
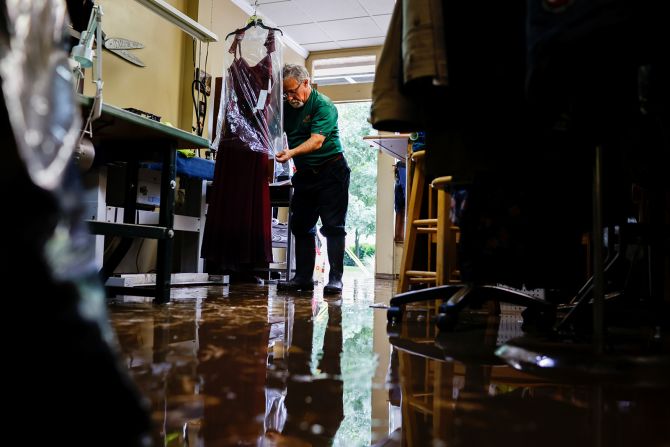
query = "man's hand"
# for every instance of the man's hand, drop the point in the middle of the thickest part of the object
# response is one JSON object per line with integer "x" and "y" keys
{"x": 284, "y": 156}
{"x": 313, "y": 143}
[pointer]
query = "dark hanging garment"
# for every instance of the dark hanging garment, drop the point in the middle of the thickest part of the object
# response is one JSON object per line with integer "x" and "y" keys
{"x": 584, "y": 59}
{"x": 238, "y": 232}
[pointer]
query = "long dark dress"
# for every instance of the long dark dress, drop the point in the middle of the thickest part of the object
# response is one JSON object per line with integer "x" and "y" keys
{"x": 238, "y": 232}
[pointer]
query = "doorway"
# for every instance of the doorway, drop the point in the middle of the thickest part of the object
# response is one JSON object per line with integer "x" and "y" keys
{"x": 361, "y": 217}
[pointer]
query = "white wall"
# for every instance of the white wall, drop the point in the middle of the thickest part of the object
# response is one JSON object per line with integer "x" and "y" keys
{"x": 385, "y": 215}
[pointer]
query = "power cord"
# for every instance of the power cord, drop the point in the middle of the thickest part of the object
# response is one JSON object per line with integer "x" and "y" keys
{"x": 199, "y": 87}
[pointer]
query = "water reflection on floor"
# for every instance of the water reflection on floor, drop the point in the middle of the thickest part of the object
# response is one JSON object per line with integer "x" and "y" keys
{"x": 245, "y": 365}
{"x": 451, "y": 389}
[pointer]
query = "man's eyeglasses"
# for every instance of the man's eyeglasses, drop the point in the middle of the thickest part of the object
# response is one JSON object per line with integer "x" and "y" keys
{"x": 291, "y": 92}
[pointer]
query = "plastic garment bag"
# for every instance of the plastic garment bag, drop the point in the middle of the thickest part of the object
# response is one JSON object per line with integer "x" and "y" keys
{"x": 38, "y": 89}
{"x": 237, "y": 235}
{"x": 251, "y": 109}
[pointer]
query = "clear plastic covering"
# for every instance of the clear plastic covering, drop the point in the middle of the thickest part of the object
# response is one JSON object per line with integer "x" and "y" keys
{"x": 37, "y": 85}
{"x": 251, "y": 108}
{"x": 45, "y": 123}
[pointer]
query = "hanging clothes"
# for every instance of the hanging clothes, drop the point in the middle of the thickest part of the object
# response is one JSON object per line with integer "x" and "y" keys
{"x": 412, "y": 65}
{"x": 237, "y": 233}
{"x": 477, "y": 131}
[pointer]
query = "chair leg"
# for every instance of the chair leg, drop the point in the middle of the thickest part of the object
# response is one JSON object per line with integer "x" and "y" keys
{"x": 413, "y": 213}
{"x": 583, "y": 297}
{"x": 445, "y": 248}
{"x": 396, "y": 306}
{"x": 541, "y": 312}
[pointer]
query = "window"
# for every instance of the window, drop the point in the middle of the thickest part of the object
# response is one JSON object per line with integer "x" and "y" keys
{"x": 344, "y": 70}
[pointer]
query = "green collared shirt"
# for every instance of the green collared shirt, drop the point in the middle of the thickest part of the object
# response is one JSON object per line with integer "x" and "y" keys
{"x": 317, "y": 116}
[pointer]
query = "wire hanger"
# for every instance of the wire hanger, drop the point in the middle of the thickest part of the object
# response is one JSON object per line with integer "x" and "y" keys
{"x": 254, "y": 20}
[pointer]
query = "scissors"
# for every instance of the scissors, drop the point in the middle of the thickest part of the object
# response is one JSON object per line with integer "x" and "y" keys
{"x": 120, "y": 47}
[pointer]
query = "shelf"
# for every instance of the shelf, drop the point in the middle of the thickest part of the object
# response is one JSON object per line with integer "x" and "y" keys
{"x": 393, "y": 145}
{"x": 178, "y": 18}
{"x": 129, "y": 230}
{"x": 116, "y": 123}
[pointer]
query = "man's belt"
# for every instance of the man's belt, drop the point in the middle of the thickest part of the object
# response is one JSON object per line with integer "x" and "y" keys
{"x": 318, "y": 168}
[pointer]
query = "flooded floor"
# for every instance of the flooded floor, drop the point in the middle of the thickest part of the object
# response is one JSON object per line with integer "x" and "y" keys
{"x": 247, "y": 365}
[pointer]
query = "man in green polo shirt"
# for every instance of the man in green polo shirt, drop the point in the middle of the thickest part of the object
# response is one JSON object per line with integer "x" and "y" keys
{"x": 321, "y": 180}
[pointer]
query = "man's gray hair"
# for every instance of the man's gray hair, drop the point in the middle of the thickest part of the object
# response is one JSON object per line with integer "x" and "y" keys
{"x": 297, "y": 72}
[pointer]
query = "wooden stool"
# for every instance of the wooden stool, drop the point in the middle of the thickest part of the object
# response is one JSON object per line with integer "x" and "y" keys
{"x": 448, "y": 234}
{"x": 438, "y": 229}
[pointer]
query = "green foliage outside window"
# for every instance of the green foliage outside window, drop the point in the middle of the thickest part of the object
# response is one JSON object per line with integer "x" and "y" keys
{"x": 362, "y": 159}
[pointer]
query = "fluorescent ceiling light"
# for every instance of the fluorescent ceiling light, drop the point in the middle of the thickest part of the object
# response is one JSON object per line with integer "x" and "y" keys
{"x": 175, "y": 16}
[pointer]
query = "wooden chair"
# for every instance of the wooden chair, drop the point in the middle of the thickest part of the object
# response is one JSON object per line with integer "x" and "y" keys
{"x": 439, "y": 230}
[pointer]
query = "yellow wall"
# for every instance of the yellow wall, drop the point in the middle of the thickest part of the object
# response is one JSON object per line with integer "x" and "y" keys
{"x": 163, "y": 87}
{"x": 347, "y": 92}
{"x": 155, "y": 88}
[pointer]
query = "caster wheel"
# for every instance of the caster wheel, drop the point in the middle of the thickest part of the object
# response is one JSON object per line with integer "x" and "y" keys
{"x": 393, "y": 329}
{"x": 446, "y": 321}
{"x": 394, "y": 314}
{"x": 444, "y": 307}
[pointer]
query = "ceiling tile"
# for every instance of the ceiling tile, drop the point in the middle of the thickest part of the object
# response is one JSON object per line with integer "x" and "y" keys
{"x": 308, "y": 33}
{"x": 352, "y": 28}
{"x": 356, "y": 43}
{"x": 383, "y": 22}
{"x": 378, "y": 7}
{"x": 284, "y": 13}
{"x": 323, "y": 10}
{"x": 319, "y": 25}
